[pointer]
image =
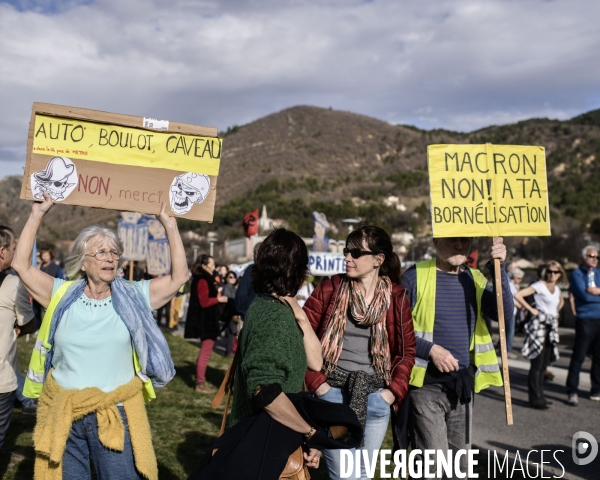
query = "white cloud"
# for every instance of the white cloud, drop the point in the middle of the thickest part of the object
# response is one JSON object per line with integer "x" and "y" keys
{"x": 454, "y": 64}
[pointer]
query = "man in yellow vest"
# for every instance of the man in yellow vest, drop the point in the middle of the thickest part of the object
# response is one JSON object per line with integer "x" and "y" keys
{"x": 455, "y": 354}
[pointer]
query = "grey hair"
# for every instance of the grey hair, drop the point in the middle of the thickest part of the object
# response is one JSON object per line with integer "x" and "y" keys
{"x": 587, "y": 248}
{"x": 516, "y": 272}
{"x": 86, "y": 236}
{"x": 6, "y": 236}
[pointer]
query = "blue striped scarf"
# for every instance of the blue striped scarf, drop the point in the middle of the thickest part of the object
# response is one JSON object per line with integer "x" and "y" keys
{"x": 147, "y": 338}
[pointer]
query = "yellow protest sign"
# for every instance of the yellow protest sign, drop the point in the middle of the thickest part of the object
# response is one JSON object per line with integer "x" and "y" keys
{"x": 121, "y": 145}
{"x": 122, "y": 162}
{"x": 488, "y": 190}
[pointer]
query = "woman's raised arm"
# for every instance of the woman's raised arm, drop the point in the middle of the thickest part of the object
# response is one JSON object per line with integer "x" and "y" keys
{"x": 163, "y": 289}
{"x": 37, "y": 283}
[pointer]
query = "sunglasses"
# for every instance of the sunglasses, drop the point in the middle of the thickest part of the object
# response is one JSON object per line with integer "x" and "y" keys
{"x": 357, "y": 252}
{"x": 591, "y": 255}
{"x": 554, "y": 272}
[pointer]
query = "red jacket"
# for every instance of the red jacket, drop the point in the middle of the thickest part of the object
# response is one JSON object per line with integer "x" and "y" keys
{"x": 400, "y": 331}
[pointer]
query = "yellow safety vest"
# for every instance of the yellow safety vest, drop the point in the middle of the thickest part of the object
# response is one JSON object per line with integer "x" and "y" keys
{"x": 34, "y": 381}
{"x": 482, "y": 352}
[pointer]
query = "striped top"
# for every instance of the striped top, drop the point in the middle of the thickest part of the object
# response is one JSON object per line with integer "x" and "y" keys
{"x": 456, "y": 310}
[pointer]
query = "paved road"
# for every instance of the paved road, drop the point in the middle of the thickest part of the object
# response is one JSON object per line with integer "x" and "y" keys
{"x": 551, "y": 429}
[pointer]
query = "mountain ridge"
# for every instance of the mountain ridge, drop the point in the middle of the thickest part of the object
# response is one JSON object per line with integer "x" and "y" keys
{"x": 344, "y": 163}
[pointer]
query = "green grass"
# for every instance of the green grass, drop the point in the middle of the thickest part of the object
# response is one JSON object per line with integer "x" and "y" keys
{"x": 183, "y": 422}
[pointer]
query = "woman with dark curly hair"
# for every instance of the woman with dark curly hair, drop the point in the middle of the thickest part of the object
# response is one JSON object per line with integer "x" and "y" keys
{"x": 277, "y": 343}
{"x": 365, "y": 325}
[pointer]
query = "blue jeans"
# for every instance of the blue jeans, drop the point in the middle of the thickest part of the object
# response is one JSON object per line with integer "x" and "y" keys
{"x": 510, "y": 332}
{"x": 378, "y": 416}
{"x": 83, "y": 444}
{"x": 25, "y": 401}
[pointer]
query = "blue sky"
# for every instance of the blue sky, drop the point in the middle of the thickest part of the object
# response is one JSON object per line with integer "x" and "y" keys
{"x": 460, "y": 64}
{"x": 46, "y": 7}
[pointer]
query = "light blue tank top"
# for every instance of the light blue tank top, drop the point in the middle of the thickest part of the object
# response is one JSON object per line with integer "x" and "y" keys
{"x": 92, "y": 346}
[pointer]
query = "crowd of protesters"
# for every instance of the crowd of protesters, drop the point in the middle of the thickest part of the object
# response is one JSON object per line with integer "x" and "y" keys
{"x": 372, "y": 345}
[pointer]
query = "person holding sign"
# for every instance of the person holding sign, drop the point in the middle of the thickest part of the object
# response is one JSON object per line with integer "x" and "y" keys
{"x": 364, "y": 323}
{"x": 98, "y": 356}
{"x": 541, "y": 332}
{"x": 455, "y": 353}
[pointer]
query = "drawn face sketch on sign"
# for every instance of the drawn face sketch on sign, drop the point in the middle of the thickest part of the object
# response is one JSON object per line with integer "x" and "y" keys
{"x": 55, "y": 179}
{"x": 320, "y": 240}
{"x": 186, "y": 190}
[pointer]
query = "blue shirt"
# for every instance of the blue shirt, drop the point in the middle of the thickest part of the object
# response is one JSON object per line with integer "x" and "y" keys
{"x": 586, "y": 304}
{"x": 92, "y": 346}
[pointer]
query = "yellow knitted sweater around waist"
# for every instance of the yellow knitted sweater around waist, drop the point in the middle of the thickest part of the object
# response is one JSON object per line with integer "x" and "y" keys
{"x": 59, "y": 408}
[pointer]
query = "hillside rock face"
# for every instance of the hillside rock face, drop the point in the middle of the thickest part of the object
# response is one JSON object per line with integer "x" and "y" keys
{"x": 316, "y": 142}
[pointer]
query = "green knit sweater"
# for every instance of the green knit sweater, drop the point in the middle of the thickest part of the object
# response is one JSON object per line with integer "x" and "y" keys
{"x": 272, "y": 351}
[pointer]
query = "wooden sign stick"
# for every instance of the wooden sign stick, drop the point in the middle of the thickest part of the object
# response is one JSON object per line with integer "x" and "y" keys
{"x": 503, "y": 351}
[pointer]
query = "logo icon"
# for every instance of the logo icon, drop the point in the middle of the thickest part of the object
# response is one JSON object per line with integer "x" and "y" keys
{"x": 585, "y": 448}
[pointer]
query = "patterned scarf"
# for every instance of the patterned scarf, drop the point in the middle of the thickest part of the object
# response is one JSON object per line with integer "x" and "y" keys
{"x": 350, "y": 297}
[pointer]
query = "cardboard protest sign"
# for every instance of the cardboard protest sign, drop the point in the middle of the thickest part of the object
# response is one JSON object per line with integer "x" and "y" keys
{"x": 133, "y": 232}
{"x": 488, "y": 190}
{"x": 158, "y": 260}
{"x": 320, "y": 240}
{"x": 122, "y": 162}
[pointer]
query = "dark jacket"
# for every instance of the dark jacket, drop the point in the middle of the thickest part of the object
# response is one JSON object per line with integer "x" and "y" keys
{"x": 52, "y": 269}
{"x": 400, "y": 332}
{"x": 245, "y": 294}
{"x": 258, "y": 447}
{"x": 202, "y": 323}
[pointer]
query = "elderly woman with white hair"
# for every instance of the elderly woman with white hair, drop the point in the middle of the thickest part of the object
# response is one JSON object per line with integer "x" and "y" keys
{"x": 516, "y": 277}
{"x": 98, "y": 356}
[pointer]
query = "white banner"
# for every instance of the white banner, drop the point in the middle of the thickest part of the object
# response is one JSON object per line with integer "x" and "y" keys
{"x": 326, "y": 264}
